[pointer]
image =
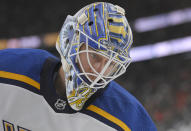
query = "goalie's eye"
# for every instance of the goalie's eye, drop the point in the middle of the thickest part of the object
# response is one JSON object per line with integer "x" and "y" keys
{"x": 96, "y": 58}
{"x": 93, "y": 55}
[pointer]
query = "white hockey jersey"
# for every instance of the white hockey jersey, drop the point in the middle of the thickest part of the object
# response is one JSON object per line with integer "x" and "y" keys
{"x": 28, "y": 100}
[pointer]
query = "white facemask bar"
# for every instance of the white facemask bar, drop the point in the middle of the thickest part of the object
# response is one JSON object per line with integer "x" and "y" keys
{"x": 83, "y": 71}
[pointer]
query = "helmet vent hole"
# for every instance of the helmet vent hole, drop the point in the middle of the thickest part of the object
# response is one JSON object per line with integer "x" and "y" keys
{"x": 71, "y": 27}
{"x": 67, "y": 41}
{"x": 70, "y": 78}
{"x": 90, "y": 23}
{"x": 96, "y": 9}
{"x": 77, "y": 32}
{"x": 110, "y": 20}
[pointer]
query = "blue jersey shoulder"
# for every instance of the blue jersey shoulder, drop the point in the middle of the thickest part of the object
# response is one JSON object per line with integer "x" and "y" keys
{"x": 27, "y": 62}
{"x": 119, "y": 103}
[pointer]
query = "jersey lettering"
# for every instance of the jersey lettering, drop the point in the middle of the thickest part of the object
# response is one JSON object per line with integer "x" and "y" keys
{"x": 22, "y": 129}
{"x": 10, "y": 127}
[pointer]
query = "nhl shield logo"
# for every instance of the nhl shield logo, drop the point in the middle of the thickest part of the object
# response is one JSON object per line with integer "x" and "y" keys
{"x": 60, "y": 104}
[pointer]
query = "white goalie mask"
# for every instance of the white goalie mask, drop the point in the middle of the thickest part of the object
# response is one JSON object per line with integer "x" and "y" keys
{"x": 94, "y": 48}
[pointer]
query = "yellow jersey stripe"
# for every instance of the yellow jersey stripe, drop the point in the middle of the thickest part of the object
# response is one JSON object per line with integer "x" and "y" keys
{"x": 21, "y": 78}
{"x": 109, "y": 117}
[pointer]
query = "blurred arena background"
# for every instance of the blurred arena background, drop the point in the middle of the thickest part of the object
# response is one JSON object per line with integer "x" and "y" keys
{"x": 160, "y": 75}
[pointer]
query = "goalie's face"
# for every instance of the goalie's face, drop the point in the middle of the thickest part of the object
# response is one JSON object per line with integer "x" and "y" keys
{"x": 93, "y": 63}
{"x": 95, "y": 66}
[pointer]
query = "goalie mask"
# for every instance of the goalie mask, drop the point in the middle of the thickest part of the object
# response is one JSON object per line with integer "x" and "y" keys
{"x": 98, "y": 32}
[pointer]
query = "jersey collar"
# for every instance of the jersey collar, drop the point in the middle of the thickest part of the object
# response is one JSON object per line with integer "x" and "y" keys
{"x": 58, "y": 103}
